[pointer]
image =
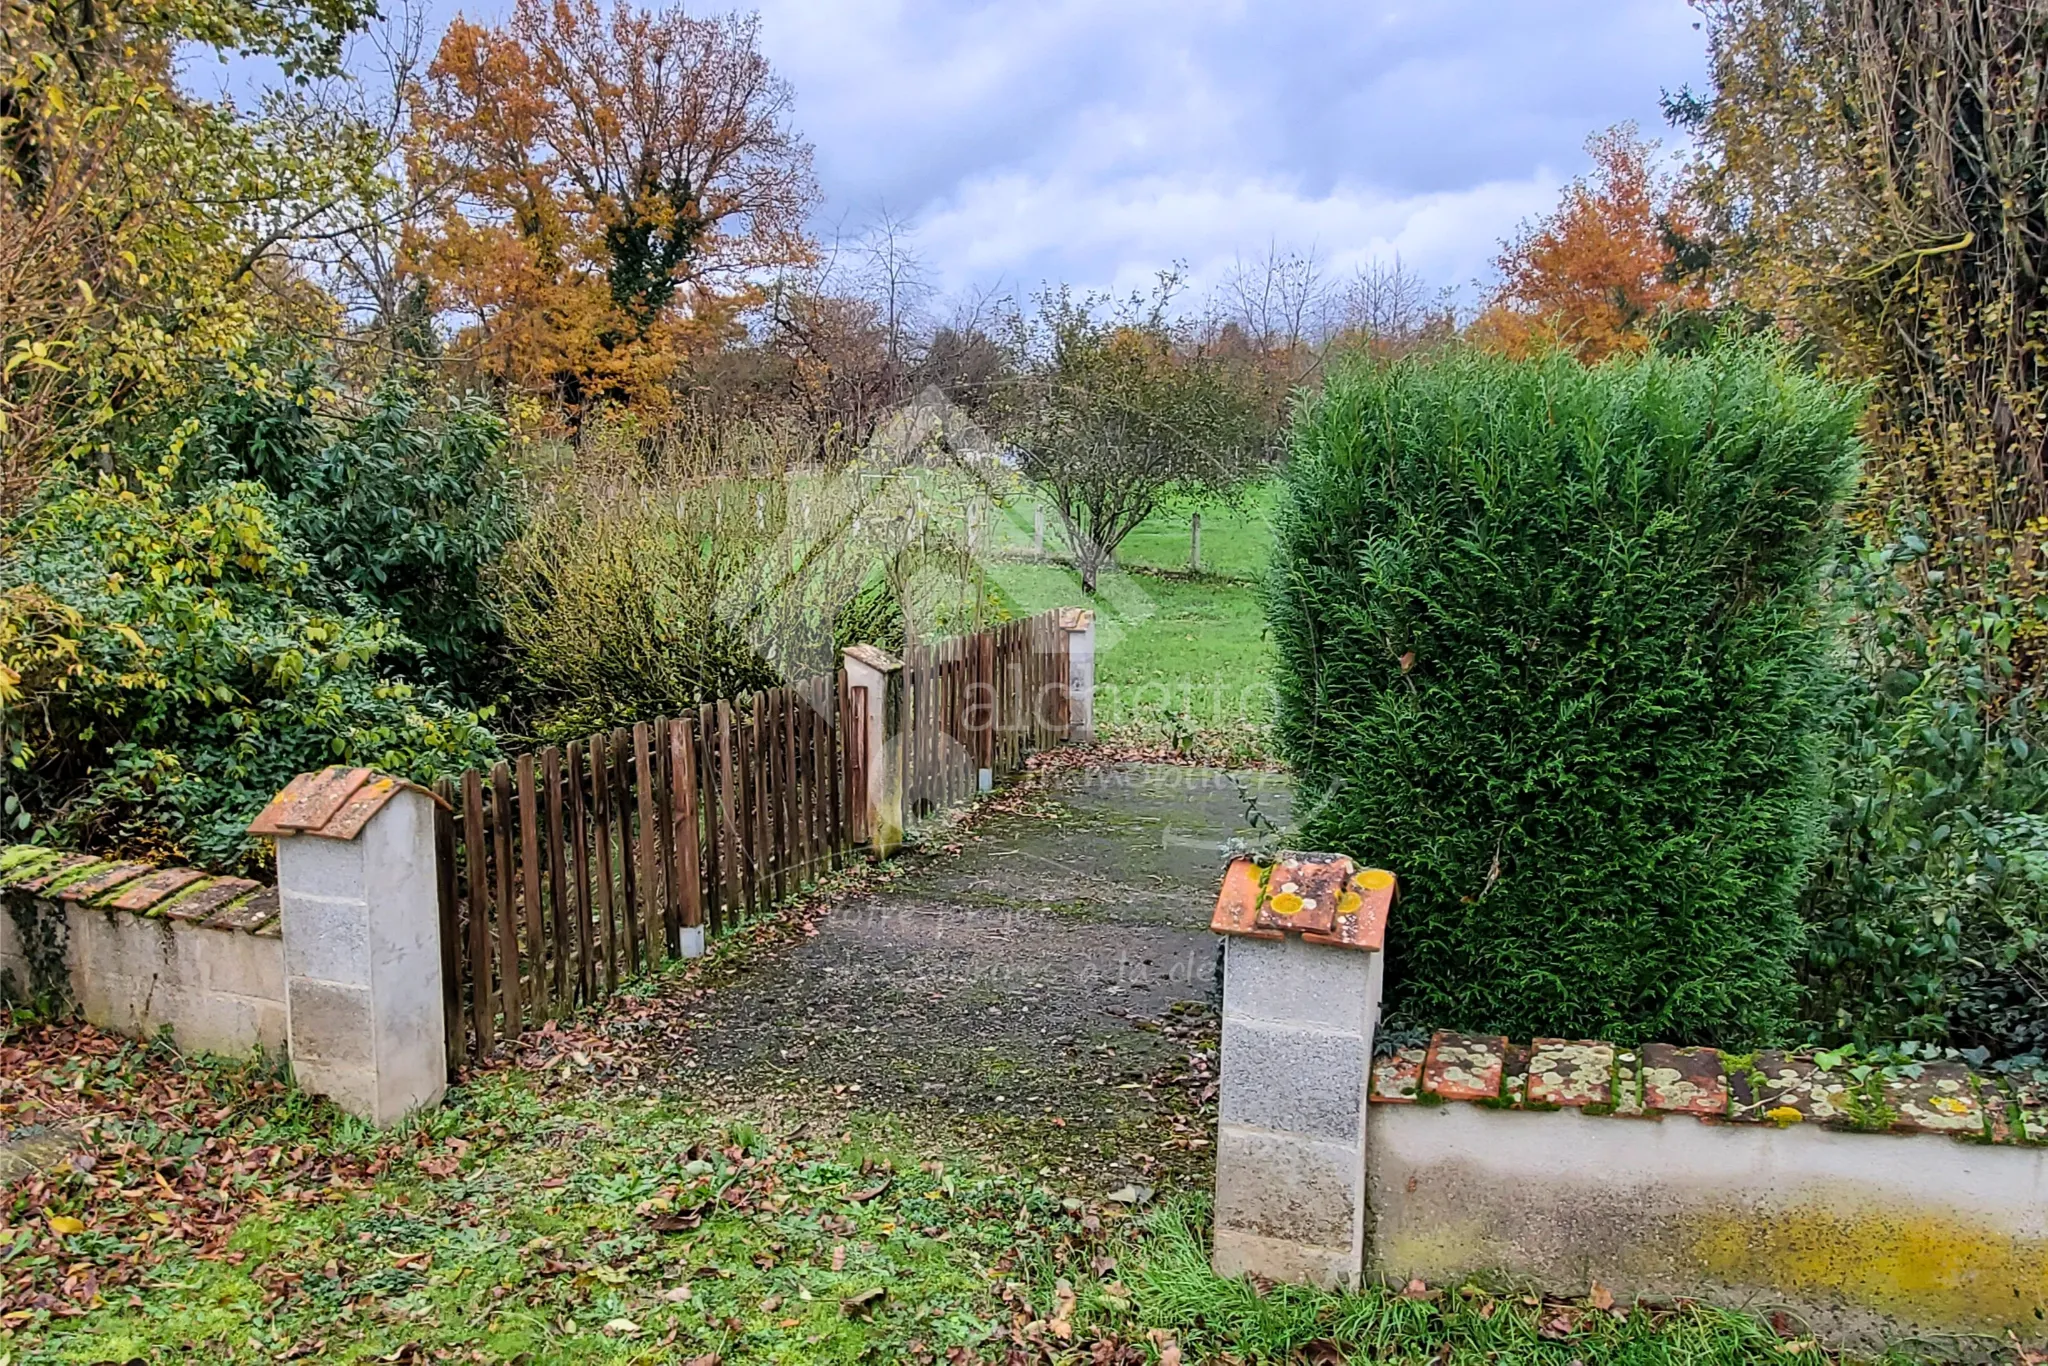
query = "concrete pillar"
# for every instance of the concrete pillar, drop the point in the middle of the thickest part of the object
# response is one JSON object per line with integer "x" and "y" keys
{"x": 360, "y": 915}
{"x": 1038, "y": 533}
{"x": 881, "y": 673}
{"x": 1079, "y": 624}
{"x": 1195, "y": 543}
{"x": 1301, "y": 997}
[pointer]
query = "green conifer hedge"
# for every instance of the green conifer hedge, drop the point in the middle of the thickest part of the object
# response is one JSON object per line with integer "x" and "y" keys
{"x": 1553, "y": 646}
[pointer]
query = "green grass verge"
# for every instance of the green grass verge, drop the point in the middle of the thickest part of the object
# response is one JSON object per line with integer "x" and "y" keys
{"x": 557, "y": 1218}
{"x": 1182, "y": 659}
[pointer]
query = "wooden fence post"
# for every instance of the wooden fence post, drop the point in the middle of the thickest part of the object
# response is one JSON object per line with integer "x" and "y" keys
{"x": 881, "y": 674}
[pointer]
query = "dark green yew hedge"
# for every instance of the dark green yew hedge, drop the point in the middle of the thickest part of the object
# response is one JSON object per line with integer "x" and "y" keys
{"x": 1553, "y": 646}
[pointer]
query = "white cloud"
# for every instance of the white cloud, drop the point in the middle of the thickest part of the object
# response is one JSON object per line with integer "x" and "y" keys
{"x": 1095, "y": 143}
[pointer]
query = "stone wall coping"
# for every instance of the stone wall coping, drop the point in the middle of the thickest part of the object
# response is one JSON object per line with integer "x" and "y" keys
{"x": 233, "y": 904}
{"x": 1323, "y": 898}
{"x": 1715, "y": 1086}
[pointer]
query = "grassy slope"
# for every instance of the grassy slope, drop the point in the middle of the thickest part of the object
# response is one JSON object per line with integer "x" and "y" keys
{"x": 570, "y": 1214}
{"x": 1182, "y": 658}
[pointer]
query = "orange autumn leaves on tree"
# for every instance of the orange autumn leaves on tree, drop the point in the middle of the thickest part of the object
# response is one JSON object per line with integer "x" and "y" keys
{"x": 1593, "y": 275}
{"x": 626, "y": 178}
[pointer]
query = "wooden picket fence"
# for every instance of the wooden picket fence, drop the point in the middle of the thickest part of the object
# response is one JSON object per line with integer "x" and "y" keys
{"x": 982, "y": 701}
{"x": 567, "y": 870}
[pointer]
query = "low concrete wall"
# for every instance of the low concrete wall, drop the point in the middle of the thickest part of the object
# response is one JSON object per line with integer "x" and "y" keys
{"x": 1867, "y": 1210}
{"x": 138, "y": 950}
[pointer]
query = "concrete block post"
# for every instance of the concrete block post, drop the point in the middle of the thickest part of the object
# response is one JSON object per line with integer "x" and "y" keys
{"x": 881, "y": 673}
{"x": 357, "y": 883}
{"x": 1079, "y": 624}
{"x": 1301, "y": 997}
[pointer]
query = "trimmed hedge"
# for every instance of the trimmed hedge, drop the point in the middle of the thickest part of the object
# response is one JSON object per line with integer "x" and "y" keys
{"x": 1553, "y": 647}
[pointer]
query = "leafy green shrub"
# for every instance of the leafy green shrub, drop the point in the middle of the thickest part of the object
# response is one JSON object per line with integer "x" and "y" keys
{"x": 1929, "y": 918}
{"x": 168, "y": 661}
{"x": 406, "y": 501}
{"x": 1552, "y": 647}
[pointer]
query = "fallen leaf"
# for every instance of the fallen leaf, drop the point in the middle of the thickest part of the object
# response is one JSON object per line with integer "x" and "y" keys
{"x": 863, "y": 1304}
{"x": 1132, "y": 1194}
{"x": 1167, "y": 1345}
{"x": 861, "y": 1197}
{"x": 623, "y": 1327}
{"x": 676, "y": 1294}
{"x": 64, "y": 1225}
{"x": 1602, "y": 1298}
{"x": 1062, "y": 1323}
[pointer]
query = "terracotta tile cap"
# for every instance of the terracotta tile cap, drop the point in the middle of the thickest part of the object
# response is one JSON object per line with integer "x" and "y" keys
{"x": 248, "y": 916}
{"x": 1514, "y": 1073}
{"x": 1684, "y": 1080}
{"x": 1941, "y": 1100}
{"x": 101, "y": 881}
{"x": 1464, "y": 1066}
{"x": 63, "y": 867}
{"x": 1325, "y": 898}
{"x": 335, "y": 803}
{"x": 1567, "y": 1072}
{"x": 2001, "y": 1116}
{"x": 1076, "y": 618}
{"x": 1785, "y": 1089}
{"x": 202, "y": 902}
{"x": 140, "y": 896}
{"x": 1396, "y": 1077}
{"x": 2030, "y": 1110}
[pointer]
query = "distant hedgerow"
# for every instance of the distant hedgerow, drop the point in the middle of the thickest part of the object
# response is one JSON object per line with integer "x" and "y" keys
{"x": 1553, "y": 647}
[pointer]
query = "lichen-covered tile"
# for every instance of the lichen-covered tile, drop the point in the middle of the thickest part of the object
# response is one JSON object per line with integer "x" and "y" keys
{"x": 1939, "y": 1100}
{"x": 1514, "y": 1074}
{"x": 2030, "y": 1109}
{"x": 1628, "y": 1082}
{"x": 1785, "y": 1089}
{"x": 200, "y": 902}
{"x": 1568, "y": 1072}
{"x": 100, "y": 881}
{"x": 2001, "y": 1116}
{"x": 48, "y": 874}
{"x": 1464, "y": 1066}
{"x": 1685, "y": 1081}
{"x": 20, "y": 862}
{"x": 147, "y": 892}
{"x": 247, "y": 916}
{"x": 1396, "y": 1076}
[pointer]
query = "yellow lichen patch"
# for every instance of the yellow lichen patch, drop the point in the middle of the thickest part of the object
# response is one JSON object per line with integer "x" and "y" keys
{"x": 1349, "y": 903}
{"x": 1287, "y": 903}
{"x": 1373, "y": 880}
{"x": 1927, "y": 1265}
{"x": 1784, "y": 1114}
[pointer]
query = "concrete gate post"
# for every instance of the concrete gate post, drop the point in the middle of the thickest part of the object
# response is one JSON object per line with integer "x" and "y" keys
{"x": 881, "y": 674}
{"x": 358, "y": 905}
{"x": 1079, "y": 624}
{"x": 1301, "y": 998}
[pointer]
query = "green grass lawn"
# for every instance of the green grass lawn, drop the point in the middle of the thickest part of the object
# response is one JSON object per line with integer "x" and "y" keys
{"x": 579, "y": 1210}
{"x": 1181, "y": 658}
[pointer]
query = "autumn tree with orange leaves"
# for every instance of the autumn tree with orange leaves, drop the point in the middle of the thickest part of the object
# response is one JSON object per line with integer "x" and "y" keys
{"x": 1594, "y": 275}
{"x": 627, "y": 178}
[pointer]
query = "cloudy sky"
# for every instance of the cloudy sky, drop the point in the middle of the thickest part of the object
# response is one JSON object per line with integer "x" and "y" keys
{"x": 1096, "y": 141}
